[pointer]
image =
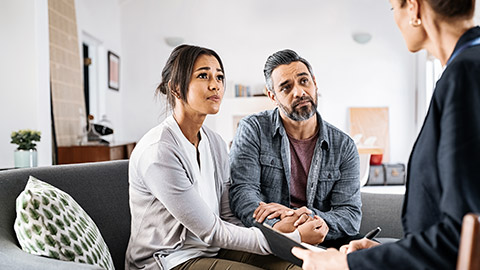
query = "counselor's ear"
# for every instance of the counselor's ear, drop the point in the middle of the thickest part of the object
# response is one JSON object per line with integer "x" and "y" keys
{"x": 413, "y": 9}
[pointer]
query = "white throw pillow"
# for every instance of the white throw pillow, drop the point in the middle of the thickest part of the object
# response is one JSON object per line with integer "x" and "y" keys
{"x": 51, "y": 223}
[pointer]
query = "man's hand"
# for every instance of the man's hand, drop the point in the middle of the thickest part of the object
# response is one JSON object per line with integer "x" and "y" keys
{"x": 355, "y": 245}
{"x": 274, "y": 210}
{"x": 313, "y": 231}
{"x": 286, "y": 224}
{"x": 271, "y": 210}
{"x": 331, "y": 259}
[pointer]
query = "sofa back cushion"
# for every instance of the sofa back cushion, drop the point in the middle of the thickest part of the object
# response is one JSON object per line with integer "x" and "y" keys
{"x": 384, "y": 211}
{"x": 101, "y": 188}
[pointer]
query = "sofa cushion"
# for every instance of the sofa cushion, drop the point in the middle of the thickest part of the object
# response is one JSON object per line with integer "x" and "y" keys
{"x": 51, "y": 223}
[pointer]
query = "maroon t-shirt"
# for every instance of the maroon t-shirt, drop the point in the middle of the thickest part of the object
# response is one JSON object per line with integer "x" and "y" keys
{"x": 301, "y": 154}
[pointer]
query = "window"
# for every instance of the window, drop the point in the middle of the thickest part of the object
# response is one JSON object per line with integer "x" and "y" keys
{"x": 433, "y": 72}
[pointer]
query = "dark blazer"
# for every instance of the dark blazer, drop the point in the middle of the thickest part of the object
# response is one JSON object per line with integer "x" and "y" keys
{"x": 443, "y": 181}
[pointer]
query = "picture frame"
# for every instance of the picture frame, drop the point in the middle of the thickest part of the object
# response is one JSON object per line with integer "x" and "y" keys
{"x": 113, "y": 71}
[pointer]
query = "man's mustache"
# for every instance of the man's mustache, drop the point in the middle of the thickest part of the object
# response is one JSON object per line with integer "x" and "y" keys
{"x": 300, "y": 100}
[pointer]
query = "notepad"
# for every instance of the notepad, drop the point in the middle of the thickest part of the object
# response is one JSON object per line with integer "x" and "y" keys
{"x": 281, "y": 245}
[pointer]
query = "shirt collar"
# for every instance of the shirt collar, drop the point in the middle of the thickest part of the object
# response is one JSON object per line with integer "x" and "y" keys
{"x": 182, "y": 140}
{"x": 470, "y": 34}
{"x": 280, "y": 129}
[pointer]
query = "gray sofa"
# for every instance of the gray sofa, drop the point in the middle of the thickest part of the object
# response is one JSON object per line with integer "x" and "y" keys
{"x": 102, "y": 190}
{"x": 383, "y": 210}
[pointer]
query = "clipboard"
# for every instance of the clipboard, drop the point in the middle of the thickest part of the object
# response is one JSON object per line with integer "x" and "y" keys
{"x": 282, "y": 245}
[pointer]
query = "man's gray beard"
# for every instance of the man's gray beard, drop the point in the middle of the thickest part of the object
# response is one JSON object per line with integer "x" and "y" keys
{"x": 298, "y": 116}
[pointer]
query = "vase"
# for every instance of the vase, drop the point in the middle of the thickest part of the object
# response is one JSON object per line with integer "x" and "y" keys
{"x": 25, "y": 158}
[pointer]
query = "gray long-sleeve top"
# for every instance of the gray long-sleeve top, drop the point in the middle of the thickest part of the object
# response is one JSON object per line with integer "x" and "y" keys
{"x": 164, "y": 205}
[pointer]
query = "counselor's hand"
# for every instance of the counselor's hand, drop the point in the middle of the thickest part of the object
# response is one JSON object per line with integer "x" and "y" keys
{"x": 313, "y": 231}
{"x": 355, "y": 245}
{"x": 331, "y": 259}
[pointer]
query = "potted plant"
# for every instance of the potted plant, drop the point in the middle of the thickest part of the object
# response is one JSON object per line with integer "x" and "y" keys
{"x": 26, "y": 153}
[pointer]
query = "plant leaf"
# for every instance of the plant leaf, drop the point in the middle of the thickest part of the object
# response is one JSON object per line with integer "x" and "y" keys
{"x": 52, "y": 229}
{"x": 48, "y": 214}
{"x": 65, "y": 239}
{"x": 54, "y": 254}
{"x": 50, "y": 241}
{"x": 78, "y": 249}
{"x": 69, "y": 255}
{"x": 37, "y": 229}
{"x": 34, "y": 214}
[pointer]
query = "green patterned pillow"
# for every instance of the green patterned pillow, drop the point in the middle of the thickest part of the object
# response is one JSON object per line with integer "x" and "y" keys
{"x": 51, "y": 223}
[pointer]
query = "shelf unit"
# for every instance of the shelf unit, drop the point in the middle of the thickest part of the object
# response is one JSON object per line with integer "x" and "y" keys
{"x": 232, "y": 110}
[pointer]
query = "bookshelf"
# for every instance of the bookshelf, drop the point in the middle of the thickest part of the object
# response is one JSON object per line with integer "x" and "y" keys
{"x": 232, "y": 110}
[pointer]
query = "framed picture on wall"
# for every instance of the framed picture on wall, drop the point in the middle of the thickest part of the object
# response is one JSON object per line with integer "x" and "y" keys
{"x": 113, "y": 71}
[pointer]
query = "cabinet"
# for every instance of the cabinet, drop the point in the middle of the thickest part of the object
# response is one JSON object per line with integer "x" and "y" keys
{"x": 94, "y": 152}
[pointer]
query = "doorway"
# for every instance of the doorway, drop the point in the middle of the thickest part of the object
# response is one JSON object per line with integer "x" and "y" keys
{"x": 92, "y": 48}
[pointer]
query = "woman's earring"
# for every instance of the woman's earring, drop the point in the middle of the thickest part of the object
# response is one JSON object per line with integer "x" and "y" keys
{"x": 415, "y": 22}
{"x": 175, "y": 94}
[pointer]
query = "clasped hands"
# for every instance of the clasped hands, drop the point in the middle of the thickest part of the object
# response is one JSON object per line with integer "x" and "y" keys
{"x": 312, "y": 229}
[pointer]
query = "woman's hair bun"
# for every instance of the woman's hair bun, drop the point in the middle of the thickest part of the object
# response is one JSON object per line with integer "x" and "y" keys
{"x": 162, "y": 88}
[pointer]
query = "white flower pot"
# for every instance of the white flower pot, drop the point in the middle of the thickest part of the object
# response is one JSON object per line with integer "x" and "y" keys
{"x": 25, "y": 158}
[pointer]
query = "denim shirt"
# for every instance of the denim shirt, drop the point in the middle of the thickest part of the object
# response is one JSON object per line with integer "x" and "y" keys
{"x": 260, "y": 171}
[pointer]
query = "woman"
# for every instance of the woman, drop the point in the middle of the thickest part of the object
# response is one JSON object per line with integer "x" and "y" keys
{"x": 444, "y": 167}
{"x": 178, "y": 178}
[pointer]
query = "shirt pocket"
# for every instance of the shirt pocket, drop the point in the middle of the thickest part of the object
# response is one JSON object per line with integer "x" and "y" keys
{"x": 272, "y": 170}
{"x": 326, "y": 181}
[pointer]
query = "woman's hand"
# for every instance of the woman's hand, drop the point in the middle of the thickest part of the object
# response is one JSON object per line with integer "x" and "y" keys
{"x": 355, "y": 245}
{"x": 331, "y": 259}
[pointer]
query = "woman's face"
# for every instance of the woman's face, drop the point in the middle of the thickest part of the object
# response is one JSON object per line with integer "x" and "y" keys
{"x": 414, "y": 36}
{"x": 206, "y": 87}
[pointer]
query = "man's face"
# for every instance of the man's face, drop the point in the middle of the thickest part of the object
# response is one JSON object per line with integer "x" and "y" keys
{"x": 295, "y": 91}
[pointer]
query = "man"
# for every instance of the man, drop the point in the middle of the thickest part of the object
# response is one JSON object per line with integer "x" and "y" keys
{"x": 288, "y": 162}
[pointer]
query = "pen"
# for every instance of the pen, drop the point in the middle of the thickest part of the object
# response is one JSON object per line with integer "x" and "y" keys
{"x": 371, "y": 234}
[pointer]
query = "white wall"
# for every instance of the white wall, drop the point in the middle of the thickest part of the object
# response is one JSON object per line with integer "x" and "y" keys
{"x": 100, "y": 21}
{"x": 24, "y": 76}
{"x": 477, "y": 13}
{"x": 245, "y": 33}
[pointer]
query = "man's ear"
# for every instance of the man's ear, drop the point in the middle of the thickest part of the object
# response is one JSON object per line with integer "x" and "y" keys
{"x": 272, "y": 96}
{"x": 314, "y": 81}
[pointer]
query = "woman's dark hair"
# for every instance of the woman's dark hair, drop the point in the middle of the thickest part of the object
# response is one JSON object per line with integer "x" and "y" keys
{"x": 177, "y": 73}
{"x": 451, "y": 8}
{"x": 279, "y": 58}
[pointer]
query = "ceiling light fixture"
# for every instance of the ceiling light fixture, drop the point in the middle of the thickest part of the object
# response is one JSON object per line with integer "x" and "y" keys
{"x": 173, "y": 41}
{"x": 362, "y": 38}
